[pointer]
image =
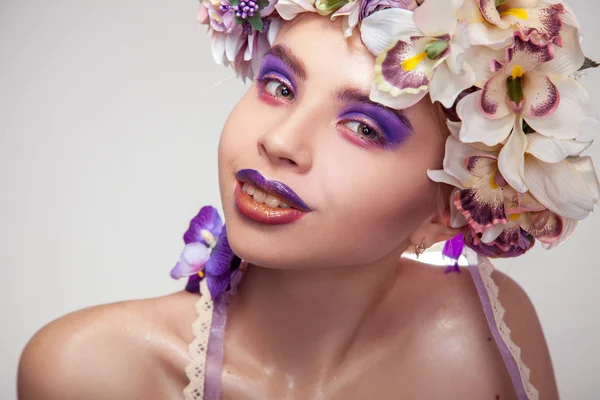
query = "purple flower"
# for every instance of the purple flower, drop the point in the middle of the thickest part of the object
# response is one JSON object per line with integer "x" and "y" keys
{"x": 207, "y": 219}
{"x": 221, "y": 15}
{"x": 206, "y": 253}
{"x": 511, "y": 242}
{"x": 452, "y": 252}
{"x": 368, "y": 7}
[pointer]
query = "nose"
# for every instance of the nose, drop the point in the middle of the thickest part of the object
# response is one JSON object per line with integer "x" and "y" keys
{"x": 288, "y": 143}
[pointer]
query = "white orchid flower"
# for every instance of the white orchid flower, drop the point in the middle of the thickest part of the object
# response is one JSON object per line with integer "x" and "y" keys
{"x": 417, "y": 53}
{"x": 522, "y": 151}
{"x": 288, "y": 9}
{"x": 534, "y": 83}
{"x": 349, "y": 13}
{"x": 493, "y": 22}
{"x": 486, "y": 201}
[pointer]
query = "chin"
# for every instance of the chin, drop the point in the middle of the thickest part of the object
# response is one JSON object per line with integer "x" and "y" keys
{"x": 280, "y": 247}
{"x": 269, "y": 246}
{"x": 264, "y": 246}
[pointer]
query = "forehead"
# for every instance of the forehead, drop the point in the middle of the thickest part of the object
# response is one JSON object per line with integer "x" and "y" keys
{"x": 334, "y": 63}
{"x": 328, "y": 57}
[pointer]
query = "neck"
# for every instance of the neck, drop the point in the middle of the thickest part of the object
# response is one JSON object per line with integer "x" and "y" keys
{"x": 305, "y": 321}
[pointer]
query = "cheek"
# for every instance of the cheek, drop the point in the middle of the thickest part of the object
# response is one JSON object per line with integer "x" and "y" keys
{"x": 236, "y": 142}
{"x": 237, "y": 133}
{"x": 375, "y": 203}
{"x": 250, "y": 118}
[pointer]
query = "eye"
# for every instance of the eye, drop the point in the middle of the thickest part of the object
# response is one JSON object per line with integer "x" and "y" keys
{"x": 362, "y": 130}
{"x": 278, "y": 89}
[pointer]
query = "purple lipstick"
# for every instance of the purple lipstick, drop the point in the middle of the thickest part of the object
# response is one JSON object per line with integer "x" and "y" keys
{"x": 272, "y": 187}
{"x": 284, "y": 207}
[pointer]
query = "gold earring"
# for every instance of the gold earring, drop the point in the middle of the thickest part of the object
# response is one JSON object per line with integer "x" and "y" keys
{"x": 420, "y": 248}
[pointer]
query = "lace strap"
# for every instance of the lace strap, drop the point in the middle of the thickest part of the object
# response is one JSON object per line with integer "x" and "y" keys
{"x": 196, "y": 370}
{"x": 481, "y": 270}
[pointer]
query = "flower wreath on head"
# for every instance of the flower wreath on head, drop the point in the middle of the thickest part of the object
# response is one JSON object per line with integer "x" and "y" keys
{"x": 514, "y": 157}
{"x": 508, "y": 68}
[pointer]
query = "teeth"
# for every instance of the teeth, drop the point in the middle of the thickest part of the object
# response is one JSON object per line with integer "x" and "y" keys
{"x": 263, "y": 198}
{"x": 272, "y": 201}
{"x": 259, "y": 196}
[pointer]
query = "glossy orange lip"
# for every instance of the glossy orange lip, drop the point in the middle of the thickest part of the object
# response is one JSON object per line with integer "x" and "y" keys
{"x": 262, "y": 213}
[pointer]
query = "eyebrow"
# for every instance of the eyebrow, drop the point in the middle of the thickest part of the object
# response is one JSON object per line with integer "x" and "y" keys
{"x": 349, "y": 94}
{"x": 285, "y": 54}
{"x": 345, "y": 94}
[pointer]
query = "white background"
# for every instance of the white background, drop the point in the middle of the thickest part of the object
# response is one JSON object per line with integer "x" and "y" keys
{"x": 110, "y": 113}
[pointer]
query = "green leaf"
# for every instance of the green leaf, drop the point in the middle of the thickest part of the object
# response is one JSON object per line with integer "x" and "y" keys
{"x": 256, "y": 22}
{"x": 589, "y": 63}
{"x": 234, "y": 2}
{"x": 262, "y": 4}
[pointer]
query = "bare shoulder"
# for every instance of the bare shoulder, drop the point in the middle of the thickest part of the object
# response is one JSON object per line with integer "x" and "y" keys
{"x": 527, "y": 333}
{"x": 456, "y": 344}
{"x": 126, "y": 350}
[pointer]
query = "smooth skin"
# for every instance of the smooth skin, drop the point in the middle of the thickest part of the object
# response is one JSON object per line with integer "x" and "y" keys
{"x": 333, "y": 311}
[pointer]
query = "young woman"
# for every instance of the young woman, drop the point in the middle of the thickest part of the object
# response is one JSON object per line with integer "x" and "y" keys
{"x": 324, "y": 183}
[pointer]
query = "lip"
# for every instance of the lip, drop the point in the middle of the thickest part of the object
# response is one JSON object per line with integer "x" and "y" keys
{"x": 275, "y": 188}
{"x": 262, "y": 213}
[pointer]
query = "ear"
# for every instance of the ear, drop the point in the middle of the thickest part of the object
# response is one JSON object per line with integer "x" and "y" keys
{"x": 432, "y": 230}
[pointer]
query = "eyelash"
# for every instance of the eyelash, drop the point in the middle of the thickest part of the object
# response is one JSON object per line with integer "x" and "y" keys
{"x": 355, "y": 124}
{"x": 266, "y": 80}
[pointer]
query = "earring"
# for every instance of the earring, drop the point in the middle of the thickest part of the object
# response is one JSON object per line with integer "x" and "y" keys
{"x": 420, "y": 248}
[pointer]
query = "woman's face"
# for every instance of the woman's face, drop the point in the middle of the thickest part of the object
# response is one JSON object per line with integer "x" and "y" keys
{"x": 307, "y": 122}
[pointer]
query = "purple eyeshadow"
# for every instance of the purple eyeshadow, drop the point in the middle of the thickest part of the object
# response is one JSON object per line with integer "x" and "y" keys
{"x": 274, "y": 65}
{"x": 393, "y": 128}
